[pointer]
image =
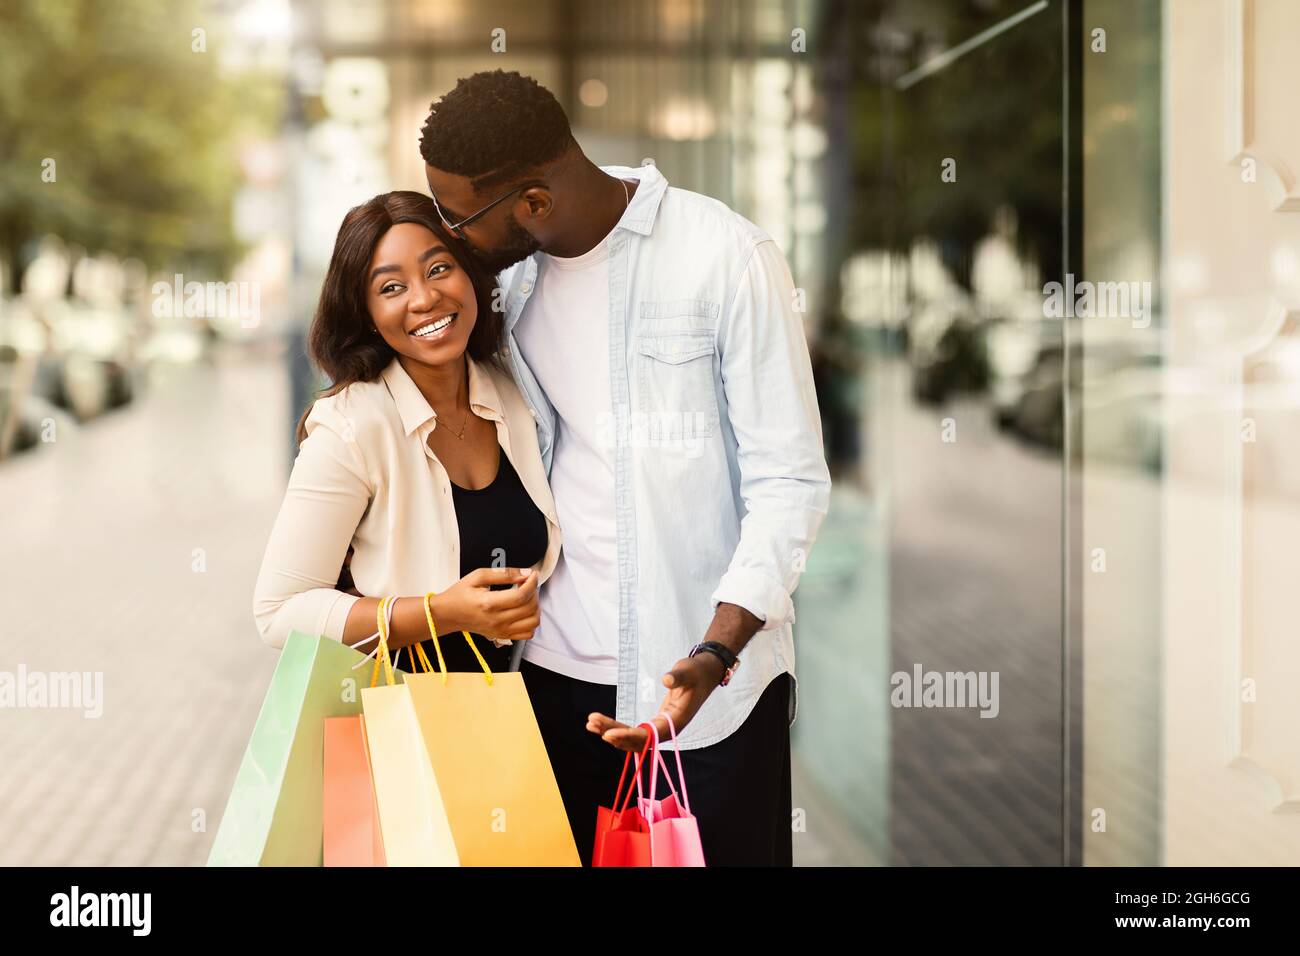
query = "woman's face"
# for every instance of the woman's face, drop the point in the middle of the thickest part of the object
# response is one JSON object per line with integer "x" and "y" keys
{"x": 420, "y": 299}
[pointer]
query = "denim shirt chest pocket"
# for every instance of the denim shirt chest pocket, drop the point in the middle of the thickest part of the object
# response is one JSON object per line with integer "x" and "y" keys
{"x": 676, "y": 344}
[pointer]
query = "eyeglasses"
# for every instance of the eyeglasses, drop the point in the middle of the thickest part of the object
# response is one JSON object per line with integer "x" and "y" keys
{"x": 455, "y": 229}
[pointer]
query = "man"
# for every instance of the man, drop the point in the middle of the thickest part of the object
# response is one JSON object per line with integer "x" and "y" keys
{"x": 653, "y": 333}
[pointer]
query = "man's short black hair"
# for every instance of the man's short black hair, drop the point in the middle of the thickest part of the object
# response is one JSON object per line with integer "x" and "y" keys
{"x": 494, "y": 127}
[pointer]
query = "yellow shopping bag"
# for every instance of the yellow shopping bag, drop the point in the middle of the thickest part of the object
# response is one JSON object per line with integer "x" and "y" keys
{"x": 477, "y": 788}
{"x": 412, "y": 820}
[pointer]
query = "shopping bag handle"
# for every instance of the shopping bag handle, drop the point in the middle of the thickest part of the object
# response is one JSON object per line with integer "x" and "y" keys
{"x": 626, "y": 761}
{"x": 384, "y": 619}
{"x": 437, "y": 645}
{"x": 384, "y": 616}
{"x": 659, "y": 762}
{"x": 654, "y": 779}
{"x": 373, "y": 652}
{"x": 415, "y": 651}
{"x": 681, "y": 777}
{"x": 419, "y": 658}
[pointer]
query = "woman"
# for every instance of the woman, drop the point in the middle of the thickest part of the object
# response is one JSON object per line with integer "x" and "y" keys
{"x": 421, "y": 457}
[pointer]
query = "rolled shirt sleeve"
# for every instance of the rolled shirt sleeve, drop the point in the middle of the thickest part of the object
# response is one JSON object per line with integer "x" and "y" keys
{"x": 328, "y": 492}
{"x": 772, "y": 409}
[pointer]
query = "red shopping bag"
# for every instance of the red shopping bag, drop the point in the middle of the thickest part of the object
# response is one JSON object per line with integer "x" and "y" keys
{"x": 622, "y": 832}
{"x": 674, "y": 831}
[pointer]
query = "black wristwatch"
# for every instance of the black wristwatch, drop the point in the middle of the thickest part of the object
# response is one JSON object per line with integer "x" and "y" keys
{"x": 723, "y": 653}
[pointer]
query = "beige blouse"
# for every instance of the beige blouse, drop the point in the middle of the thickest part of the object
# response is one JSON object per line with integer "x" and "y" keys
{"x": 365, "y": 477}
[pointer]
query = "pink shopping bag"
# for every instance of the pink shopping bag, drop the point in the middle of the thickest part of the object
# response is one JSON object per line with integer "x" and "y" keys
{"x": 674, "y": 831}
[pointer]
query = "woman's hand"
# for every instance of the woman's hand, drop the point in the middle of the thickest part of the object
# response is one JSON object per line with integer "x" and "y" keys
{"x": 471, "y": 605}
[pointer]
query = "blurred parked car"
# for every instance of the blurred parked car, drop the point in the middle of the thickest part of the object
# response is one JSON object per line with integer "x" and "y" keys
{"x": 17, "y": 432}
{"x": 1115, "y": 385}
{"x": 1014, "y": 347}
{"x": 90, "y": 368}
{"x": 25, "y": 413}
{"x": 71, "y": 323}
{"x": 1038, "y": 413}
{"x": 946, "y": 354}
{"x": 68, "y": 363}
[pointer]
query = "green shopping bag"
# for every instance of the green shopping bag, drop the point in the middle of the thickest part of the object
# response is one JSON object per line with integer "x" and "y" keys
{"x": 274, "y": 815}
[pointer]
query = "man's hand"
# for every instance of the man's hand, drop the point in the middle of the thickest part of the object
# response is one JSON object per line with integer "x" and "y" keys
{"x": 689, "y": 684}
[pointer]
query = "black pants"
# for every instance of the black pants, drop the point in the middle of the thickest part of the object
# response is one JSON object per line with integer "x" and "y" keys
{"x": 739, "y": 788}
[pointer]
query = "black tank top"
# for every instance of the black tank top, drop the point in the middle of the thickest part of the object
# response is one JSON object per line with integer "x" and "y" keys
{"x": 499, "y": 527}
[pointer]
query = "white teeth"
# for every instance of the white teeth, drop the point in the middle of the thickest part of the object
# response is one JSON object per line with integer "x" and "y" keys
{"x": 435, "y": 327}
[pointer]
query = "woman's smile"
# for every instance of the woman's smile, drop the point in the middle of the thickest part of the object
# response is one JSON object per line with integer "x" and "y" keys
{"x": 434, "y": 328}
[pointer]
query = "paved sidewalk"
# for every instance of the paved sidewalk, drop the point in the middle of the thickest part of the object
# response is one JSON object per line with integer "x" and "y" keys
{"x": 975, "y": 585}
{"x": 98, "y": 573}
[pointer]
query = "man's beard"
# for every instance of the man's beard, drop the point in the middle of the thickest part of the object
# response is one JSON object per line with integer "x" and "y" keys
{"x": 519, "y": 244}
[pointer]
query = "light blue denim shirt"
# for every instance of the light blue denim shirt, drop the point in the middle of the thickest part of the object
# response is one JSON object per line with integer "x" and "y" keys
{"x": 720, "y": 480}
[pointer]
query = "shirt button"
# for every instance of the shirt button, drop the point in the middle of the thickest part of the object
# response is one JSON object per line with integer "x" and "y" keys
{"x": 526, "y": 288}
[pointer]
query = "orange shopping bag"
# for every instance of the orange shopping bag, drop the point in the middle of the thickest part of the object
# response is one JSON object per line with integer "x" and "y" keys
{"x": 351, "y": 817}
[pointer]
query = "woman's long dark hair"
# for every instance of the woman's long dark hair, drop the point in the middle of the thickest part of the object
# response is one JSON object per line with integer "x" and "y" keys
{"x": 341, "y": 342}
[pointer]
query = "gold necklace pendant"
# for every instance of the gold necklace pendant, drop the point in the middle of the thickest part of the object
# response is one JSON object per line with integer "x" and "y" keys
{"x": 460, "y": 435}
{"x": 463, "y": 425}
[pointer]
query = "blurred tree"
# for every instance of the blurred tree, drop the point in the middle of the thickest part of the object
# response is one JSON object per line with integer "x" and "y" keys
{"x": 142, "y": 129}
{"x": 996, "y": 111}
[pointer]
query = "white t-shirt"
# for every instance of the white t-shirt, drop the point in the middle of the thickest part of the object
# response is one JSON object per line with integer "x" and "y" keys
{"x": 563, "y": 333}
